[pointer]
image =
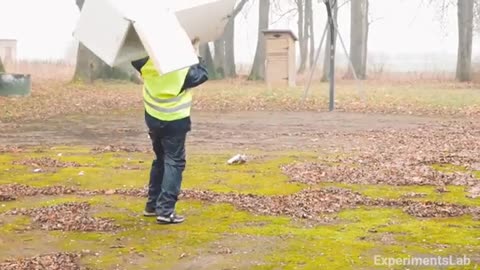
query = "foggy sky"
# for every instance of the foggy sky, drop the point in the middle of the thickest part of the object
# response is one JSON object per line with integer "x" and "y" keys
{"x": 44, "y": 28}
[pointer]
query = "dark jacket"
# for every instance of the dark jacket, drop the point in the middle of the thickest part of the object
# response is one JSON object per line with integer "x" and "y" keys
{"x": 196, "y": 76}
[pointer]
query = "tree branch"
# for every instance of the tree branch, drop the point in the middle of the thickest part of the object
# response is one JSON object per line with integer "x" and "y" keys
{"x": 284, "y": 14}
{"x": 343, "y": 4}
{"x": 237, "y": 9}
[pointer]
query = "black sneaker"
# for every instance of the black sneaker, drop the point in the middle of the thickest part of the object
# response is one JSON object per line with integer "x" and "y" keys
{"x": 149, "y": 212}
{"x": 172, "y": 219}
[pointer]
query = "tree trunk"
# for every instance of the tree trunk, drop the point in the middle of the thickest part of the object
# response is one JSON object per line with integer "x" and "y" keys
{"x": 306, "y": 30}
{"x": 89, "y": 67}
{"x": 302, "y": 34}
{"x": 359, "y": 38}
{"x": 230, "y": 68}
{"x": 465, "y": 32}
{"x": 229, "y": 37}
{"x": 312, "y": 35}
{"x": 258, "y": 69}
{"x": 206, "y": 55}
{"x": 2, "y": 68}
{"x": 219, "y": 57}
{"x": 326, "y": 60}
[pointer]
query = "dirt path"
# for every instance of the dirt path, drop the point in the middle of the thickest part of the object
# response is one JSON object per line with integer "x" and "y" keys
{"x": 270, "y": 130}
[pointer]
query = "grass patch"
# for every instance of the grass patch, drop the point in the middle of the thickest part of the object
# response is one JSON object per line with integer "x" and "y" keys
{"x": 350, "y": 243}
{"x": 110, "y": 171}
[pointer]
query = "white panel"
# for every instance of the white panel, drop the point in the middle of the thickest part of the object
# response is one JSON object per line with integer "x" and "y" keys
{"x": 205, "y": 19}
{"x": 169, "y": 47}
{"x": 102, "y": 29}
{"x": 164, "y": 29}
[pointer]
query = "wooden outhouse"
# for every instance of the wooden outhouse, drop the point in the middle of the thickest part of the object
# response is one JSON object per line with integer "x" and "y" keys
{"x": 8, "y": 51}
{"x": 280, "y": 66}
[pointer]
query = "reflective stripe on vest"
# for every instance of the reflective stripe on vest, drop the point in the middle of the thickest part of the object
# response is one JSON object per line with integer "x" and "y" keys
{"x": 161, "y": 93}
{"x": 158, "y": 100}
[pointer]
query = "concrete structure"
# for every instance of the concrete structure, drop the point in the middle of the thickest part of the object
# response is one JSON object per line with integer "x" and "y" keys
{"x": 15, "y": 85}
{"x": 8, "y": 51}
{"x": 281, "y": 68}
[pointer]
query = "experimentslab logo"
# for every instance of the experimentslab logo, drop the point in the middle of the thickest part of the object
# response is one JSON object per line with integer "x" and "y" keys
{"x": 422, "y": 261}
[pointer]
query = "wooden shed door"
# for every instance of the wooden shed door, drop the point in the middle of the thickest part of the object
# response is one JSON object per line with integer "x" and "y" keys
{"x": 277, "y": 70}
{"x": 277, "y": 61}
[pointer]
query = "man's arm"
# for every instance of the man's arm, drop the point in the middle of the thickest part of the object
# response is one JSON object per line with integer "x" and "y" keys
{"x": 138, "y": 64}
{"x": 196, "y": 76}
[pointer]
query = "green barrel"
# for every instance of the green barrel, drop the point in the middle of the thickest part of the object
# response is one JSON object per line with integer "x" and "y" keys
{"x": 15, "y": 84}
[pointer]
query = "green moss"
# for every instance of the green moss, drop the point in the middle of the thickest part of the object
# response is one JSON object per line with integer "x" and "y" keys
{"x": 257, "y": 242}
{"x": 449, "y": 168}
{"x": 110, "y": 171}
{"x": 262, "y": 177}
{"x": 349, "y": 243}
{"x": 15, "y": 224}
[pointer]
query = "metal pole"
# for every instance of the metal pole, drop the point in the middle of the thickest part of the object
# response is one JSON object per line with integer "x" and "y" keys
{"x": 332, "y": 57}
{"x": 317, "y": 57}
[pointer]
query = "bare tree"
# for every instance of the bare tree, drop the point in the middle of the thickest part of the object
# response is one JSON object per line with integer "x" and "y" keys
{"x": 219, "y": 58}
{"x": 326, "y": 61}
{"x": 309, "y": 13}
{"x": 359, "y": 38}
{"x": 477, "y": 15}
{"x": 224, "y": 47}
{"x": 468, "y": 13}
{"x": 302, "y": 35}
{"x": 229, "y": 37}
{"x": 2, "y": 68}
{"x": 258, "y": 69}
{"x": 206, "y": 55}
{"x": 465, "y": 36}
{"x": 89, "y": 67}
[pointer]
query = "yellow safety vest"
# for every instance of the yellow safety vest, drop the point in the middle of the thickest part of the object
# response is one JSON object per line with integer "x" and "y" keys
{"x": 161, "y": 93}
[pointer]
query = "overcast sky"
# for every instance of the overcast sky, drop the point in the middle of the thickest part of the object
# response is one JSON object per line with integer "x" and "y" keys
{"x": 44, "y": 28}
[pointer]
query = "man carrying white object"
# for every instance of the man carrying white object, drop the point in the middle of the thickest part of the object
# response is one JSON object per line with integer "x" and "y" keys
{"x": 168, "y": 100}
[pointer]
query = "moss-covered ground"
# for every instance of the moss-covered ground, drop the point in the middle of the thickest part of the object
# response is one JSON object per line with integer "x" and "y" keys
{"x": 219, "y": 236}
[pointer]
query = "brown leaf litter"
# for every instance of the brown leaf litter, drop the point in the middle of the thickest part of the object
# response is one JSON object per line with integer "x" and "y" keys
{"x": 56, "y": 261}
{"x": 46, "y": 162}
{"x": 312, "y": 204}
{"x": 12, "y": 191}
{"x": 11, "y": 149}
{"x": 436, "y": 209}
{"x": 66, "y": 217}
{"x": 119, "y": 148}
{"x": 400, "y": 157}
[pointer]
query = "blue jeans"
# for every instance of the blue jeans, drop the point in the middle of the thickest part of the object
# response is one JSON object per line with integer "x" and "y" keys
{"x": 167, "y": 169}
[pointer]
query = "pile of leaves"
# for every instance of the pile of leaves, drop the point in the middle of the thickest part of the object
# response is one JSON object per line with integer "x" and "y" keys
{"x": 10, "y": 149}
{"x": 66, "y": 217}
{"x": 436, "y": 209}
{"x": 308, "y": 204}
{"x": 400, "y": 157}
{"x": 12, "y": 191}
{"x": 46, "y": 162}
{"x": 56, "y": 261}
{"x": 132, "y": 192}
{"x": 314, "y": 204}
{"x": 119, "y": 148}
